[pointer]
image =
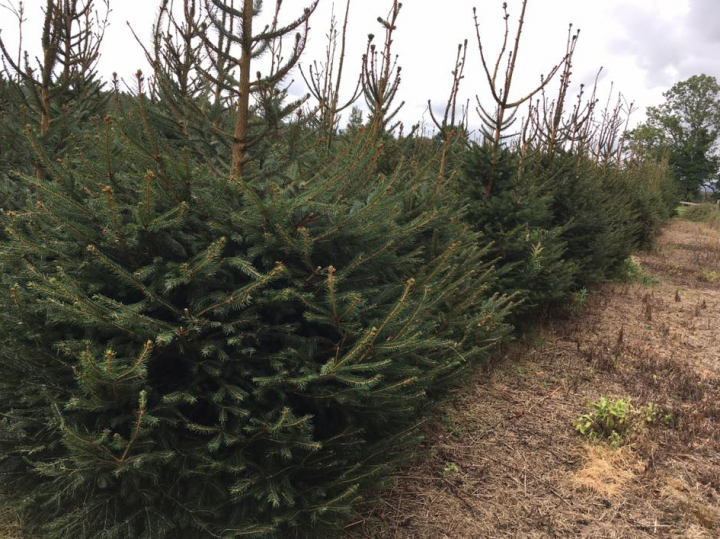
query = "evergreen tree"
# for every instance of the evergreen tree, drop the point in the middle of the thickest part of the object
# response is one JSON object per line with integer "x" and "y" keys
{"x": 324, "y": 81}
{"x": 595, "y": 212}
{"x": 200, "y": 346}
{"x": 519, "y": 224}
{"x": 39, "y": 93}
{"x": 355, "y": 121}
{"x": 507, "y": 193}
{"x": 209, "y": 90}
{"x": 686, "y": 126}
{"x": 204, "y": 357}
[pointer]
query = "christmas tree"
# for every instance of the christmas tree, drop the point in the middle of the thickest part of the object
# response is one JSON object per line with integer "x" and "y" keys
{"x": 206, "y": 338}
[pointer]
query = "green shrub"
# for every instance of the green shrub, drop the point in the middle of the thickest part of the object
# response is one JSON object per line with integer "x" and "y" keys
{"x": 609, "y": 419}
{"x": 703, "y": 213}
{"x": 613, "y": 420}
{"x": 184, "y": 355}
{"x": 630, "y": 271}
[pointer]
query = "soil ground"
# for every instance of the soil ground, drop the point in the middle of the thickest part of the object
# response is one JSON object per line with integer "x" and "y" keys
{"x": 506, "y": 460}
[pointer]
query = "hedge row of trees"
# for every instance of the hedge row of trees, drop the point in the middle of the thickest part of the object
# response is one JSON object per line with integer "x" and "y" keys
{"x": 223, "y": 315}
{"x": 685, "y": 129}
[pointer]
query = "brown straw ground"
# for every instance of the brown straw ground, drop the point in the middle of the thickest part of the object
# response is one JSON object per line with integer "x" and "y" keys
{"x": 505, "y": 459}
{"x": 9, "y": 526}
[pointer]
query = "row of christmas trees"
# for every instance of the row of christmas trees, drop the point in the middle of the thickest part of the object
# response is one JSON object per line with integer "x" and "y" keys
{"x": 223, "y": 315}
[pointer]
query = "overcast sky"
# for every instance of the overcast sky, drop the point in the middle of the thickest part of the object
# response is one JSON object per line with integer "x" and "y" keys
{"x": 645, "y": 46}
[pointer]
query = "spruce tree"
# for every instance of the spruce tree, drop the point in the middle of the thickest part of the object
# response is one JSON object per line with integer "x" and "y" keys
{"x": 64, "y": 76}
{"x": 355, "y": 120}
{"x": 198, "y": 345}
{"x": 509, "y": 194}
{"x": 49, "y": 99}
{"x": 324, "y": 80}
{"x": 518, "y": 220}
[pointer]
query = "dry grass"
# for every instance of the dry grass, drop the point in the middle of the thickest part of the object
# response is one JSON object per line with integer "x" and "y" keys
{"x": 506, "y": 461}
{"x": 9, "y": 528}
{"x": 606, "y": 472}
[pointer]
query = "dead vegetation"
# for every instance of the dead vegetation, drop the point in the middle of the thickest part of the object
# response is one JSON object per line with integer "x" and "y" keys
{"x": 9, "y": 527}
{"x": 505, "y": 460}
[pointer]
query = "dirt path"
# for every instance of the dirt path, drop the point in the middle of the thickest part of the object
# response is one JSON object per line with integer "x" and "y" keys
{"x": 507, "y": 461}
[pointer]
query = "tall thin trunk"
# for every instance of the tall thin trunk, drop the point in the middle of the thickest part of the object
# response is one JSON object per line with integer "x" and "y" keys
{"x": 243, "y": 112}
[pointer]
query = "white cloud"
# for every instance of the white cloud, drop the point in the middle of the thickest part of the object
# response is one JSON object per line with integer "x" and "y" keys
{"x": 644, "y": 45}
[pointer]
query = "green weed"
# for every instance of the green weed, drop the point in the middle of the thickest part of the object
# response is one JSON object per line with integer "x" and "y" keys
{"x": 631, "y": 271}
{"x": 578, "y": 300}
{"x": 614, "y": 420}
{"x": 702, "y": 213}
{"x": 609, "y": 420}
{"x": 449, "y": 469}
{"x": 710, "y": 276}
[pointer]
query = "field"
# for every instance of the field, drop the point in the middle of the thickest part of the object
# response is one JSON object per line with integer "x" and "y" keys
{"x": 505, "y": 458}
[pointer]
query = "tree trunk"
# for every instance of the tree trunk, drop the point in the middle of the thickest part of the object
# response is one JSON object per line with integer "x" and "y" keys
{"x": 243, "y": 112}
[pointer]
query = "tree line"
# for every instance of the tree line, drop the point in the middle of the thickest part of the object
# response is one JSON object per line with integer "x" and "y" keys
{"x": 227, "y": 316}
